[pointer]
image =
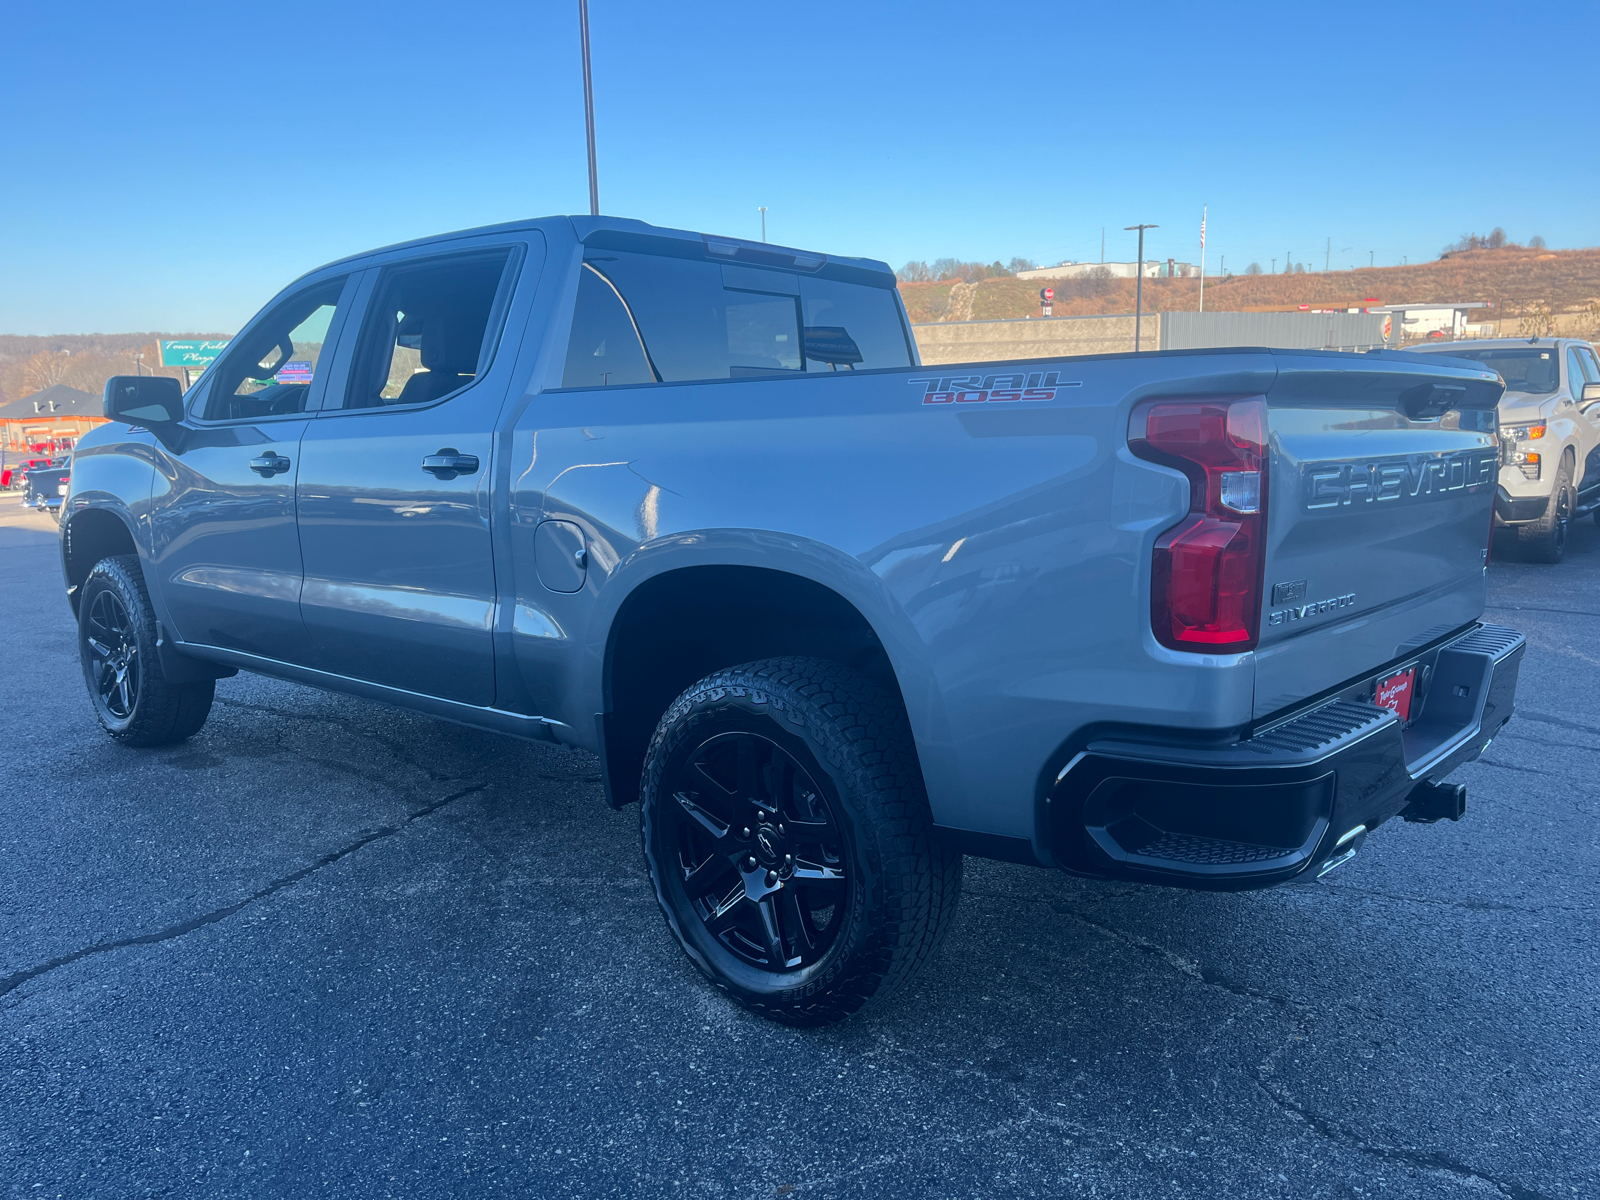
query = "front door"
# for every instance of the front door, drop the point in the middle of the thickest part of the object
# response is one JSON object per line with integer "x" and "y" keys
{"x": 223, "y": 510}
{"x": 394, "y": 487}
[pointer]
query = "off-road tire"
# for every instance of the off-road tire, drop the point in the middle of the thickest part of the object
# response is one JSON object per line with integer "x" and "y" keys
{"x": 161, "y": 712}
{"x": 1545, "y": 540}
{"x": 901, "y": 883}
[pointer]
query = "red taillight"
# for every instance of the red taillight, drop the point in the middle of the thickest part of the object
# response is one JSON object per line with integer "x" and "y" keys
{"x": 1205, "y": 585}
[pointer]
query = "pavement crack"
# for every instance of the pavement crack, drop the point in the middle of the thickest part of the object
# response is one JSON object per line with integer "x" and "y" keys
{"x": 1428, "y": 1160}
{"x": 397, "y": 749}
{"x": 1188, "y": 967}
{"x": 13, "y": 981}
{"x": 1547, "y": 719}
{"x": 1566, "y": 612}
{"x": 1464, "y": 905}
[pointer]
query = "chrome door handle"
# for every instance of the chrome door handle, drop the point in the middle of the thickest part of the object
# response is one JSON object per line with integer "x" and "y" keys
{"x": 269, "y": 465}
{"x": 448, "y": 463}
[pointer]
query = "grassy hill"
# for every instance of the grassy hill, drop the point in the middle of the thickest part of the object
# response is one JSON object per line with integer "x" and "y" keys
{"x": 1517, "y": 281}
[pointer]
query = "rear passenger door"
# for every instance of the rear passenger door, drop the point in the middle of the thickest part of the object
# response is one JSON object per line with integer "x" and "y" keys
{"x": 394, "y": 495}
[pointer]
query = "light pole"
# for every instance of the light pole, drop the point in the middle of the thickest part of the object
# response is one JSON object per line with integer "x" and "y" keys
{"x": 588, "y": 108}
{"x": 762, "y": 209}
{"x": 1138, "y": 284}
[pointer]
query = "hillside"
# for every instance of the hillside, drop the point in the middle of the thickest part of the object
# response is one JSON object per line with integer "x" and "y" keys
{"x": 1516, "y": 280}
{"x": 84, "y": 361}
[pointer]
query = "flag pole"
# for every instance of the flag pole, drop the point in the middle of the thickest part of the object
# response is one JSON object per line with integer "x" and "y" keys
{"x": 1203, "y": 257}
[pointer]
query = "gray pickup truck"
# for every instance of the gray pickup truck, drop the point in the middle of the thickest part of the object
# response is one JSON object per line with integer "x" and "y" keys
{"x": 833, "y": 618}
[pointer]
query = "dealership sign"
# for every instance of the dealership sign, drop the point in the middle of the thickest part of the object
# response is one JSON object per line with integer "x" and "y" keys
{"x": 194, "y": 355}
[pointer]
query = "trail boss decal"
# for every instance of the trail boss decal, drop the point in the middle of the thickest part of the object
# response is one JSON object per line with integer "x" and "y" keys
{"x": 991, "y": 389}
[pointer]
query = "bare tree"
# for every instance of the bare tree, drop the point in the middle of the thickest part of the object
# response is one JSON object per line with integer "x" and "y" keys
{"x": 1253, "y": 269}
{"x": 44, "y": 370}
{"x": 1021, "y": 264}
{"x": 914, "y": 272}
{"x": 1536, "y": 242}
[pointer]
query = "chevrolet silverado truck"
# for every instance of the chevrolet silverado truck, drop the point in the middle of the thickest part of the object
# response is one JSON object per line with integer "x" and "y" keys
{"x": 832, "y": 618}
{"x": 1549, "y": 435}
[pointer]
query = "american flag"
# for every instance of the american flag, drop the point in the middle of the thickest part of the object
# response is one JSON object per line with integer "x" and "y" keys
{"x": 1202, "y": 229}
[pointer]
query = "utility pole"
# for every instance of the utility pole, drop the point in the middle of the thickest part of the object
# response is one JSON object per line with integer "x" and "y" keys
{"x": 588, "y": 108}
{"x": 1102, "y": 245}
{"x": 762, "y": 209}
{"x": 1138, "y": 285}
{"x": 1327, "y": 256}
{"x": 1274, "y": 266}
{"x": 1370, "y": 254}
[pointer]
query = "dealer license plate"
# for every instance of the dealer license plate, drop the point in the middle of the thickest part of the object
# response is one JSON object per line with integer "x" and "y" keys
{"x": 1395, "y": 692}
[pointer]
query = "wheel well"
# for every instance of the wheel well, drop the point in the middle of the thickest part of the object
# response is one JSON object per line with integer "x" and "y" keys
{"x": 681, "y": 626}
{"x": 92, "y": 535}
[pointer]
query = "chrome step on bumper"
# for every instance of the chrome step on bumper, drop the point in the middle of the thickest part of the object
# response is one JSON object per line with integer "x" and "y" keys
{"x": 1298, "y": 796}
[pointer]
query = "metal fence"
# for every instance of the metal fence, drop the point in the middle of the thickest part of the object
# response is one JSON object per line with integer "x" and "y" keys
{"x": 1288, "y": 330}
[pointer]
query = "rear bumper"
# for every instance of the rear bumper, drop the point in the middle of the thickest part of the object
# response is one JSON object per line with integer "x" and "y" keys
{"x": 1300, "y": 793}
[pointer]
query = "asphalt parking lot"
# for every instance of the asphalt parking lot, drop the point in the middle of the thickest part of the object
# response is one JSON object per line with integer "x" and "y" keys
{"x": 330, "y": 949}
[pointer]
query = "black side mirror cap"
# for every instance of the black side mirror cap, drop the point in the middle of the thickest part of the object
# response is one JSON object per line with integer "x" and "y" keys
{"x": 147, "y": 400}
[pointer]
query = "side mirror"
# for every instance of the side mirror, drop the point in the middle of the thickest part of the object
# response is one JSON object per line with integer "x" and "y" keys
{"x": 147, "y": 400}
{"x": 1591, "y": 393}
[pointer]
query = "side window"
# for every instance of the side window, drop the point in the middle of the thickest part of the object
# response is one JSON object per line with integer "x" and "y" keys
{"x": 846, "y": 320}
{"x": 426, "y": 333}
{"x": 268, "y": 372}
{"x": 1575, "y": 378}
{"x": 604, "y": 349}
{"x": 643, "y": 318}
{"x": 1591, "y": 365}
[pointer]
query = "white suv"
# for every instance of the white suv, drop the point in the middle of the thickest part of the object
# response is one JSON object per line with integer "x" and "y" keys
{"x": 1549, "y": 435}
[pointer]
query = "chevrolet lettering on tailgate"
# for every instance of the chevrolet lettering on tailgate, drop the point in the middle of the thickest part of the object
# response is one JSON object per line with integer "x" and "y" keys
{"x": 1408, "y": 477}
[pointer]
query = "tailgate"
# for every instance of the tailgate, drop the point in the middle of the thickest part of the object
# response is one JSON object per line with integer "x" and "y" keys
{"x": 1382, "y": 483}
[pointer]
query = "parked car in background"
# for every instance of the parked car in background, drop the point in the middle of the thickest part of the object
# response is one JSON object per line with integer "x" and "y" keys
{"x": 832, "y": 618}
{"x": 46, "y": 487}
{"x": 1549, "y": 435}
{"x": 12, "y": 475}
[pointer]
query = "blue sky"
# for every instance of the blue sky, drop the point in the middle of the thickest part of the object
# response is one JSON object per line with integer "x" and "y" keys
{"x": 170, "y": 166}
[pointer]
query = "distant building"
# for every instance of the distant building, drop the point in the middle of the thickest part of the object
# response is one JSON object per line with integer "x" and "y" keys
{"x": 1153, "y": 269}
{"x": 50, "y": 421}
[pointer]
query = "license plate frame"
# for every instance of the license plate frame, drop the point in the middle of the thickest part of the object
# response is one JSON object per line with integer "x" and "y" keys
{"x": 1397, "y": 692}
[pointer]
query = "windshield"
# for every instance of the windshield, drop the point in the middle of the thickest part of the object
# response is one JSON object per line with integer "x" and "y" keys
{"x": 1530, "y": 370}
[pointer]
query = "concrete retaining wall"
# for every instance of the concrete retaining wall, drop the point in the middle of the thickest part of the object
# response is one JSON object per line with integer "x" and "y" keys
{"x": 1040, "y": 337}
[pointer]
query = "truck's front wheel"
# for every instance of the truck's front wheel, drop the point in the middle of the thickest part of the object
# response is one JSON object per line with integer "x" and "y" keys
{"x": 132, "y": 697}
{"x": 1545, "y": 540}
{"x": 789, "y": 840}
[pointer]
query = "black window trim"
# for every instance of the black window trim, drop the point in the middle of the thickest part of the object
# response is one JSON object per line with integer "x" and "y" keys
{"x": 200, "y": 394}
{"x": 632, "y": 320}
{"x": 673, "y": 250}
{"x": 494, "y": 330}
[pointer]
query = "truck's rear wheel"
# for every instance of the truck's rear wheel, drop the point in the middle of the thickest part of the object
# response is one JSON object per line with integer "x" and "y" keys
{"x": 789, "y": 840}
{"x": 117, "y": 645}
{"x": 1545, "y": 540}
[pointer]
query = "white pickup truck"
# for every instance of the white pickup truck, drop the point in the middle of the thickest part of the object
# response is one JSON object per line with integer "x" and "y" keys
{"x": 1549, "y": 435}
{"x": 1199, "y": 618}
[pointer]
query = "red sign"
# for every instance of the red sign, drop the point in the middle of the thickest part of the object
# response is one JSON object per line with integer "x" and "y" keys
{"x": 1395, "y": 692}
{"x": 1048, "y": 293}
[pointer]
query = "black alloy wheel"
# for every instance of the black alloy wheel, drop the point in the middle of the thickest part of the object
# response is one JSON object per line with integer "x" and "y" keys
{"x": 1545, "y": 540}
{"x": 789, "y": 838}
{"x": 117, "y": 644}
{"x": 760, "y": 854}
{"x": 112, "y": 655}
